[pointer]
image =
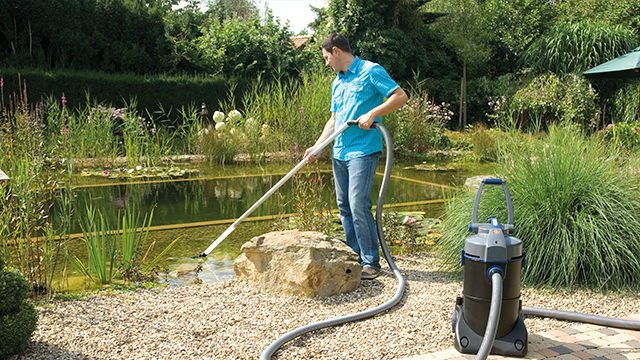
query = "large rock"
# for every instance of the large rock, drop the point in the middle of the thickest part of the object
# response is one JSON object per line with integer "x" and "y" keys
{"x": 303, "y": 263}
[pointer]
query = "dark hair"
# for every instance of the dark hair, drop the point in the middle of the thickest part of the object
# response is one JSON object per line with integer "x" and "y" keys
{"x": 338, "y": 40}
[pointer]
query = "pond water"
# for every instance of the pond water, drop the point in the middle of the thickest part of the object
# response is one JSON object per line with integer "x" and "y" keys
{"x": 198, "y": 208}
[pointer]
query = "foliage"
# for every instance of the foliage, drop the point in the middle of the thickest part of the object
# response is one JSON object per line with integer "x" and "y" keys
{"x": 288, "y": 113}
{"x": 27, "y": 197}
{"x": 102, "y": 247}
{"x": 18, "y": 316}
{"x": 103, "y": 35}
{"x": 624, "y": 102}
{"x": 576, "y": 47}
{"x": 485, "y": 142}
{"x": 575, "y": 211}
{"x": 612, "y": 12}
{"x": 248, "y": 48}
{"x": 410, "y": 232}
{"x": 117, "y": 90}
{"x": 515, "y": 25}
{"x": 116, "y": 249}
{"x": 227, "y": 9}
{"x": 391, "y": 33}
{"x": 548, "y": 99}
{"x": 220, "y": 143}
{"x": 463, "y": 30}
{"x": 626, "y": 135}
{"x": 418, "y": 126}
{"x": 311, "y": 213}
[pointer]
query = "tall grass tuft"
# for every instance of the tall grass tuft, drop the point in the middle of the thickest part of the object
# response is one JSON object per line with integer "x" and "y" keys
{"x": 102, "y": 247}
{"x": 576, "y": 211}
{"x": 288, "y": 112}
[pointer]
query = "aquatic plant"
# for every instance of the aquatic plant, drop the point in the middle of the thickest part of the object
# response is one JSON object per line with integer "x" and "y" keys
{"x": 102, "y": 247}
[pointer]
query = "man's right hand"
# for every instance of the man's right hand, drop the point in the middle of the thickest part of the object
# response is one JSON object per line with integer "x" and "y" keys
{"x": 308, "y": 154}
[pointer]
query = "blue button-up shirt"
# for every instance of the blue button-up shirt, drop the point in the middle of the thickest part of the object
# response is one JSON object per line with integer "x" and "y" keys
{"x": 354, "y": 93}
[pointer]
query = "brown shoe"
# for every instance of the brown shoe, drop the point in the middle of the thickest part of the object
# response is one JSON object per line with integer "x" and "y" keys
{"x": 369, "y": 273}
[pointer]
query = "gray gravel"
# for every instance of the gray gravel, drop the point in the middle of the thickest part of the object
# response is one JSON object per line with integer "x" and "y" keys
{"x": 238, "y": 320}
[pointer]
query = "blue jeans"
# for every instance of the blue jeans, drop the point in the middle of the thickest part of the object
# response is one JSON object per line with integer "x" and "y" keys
{"x": 354, "y": 180}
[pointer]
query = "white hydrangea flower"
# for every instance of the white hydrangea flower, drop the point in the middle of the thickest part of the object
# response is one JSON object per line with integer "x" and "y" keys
{"x": 234, "y": 116}
{"x": 218, "y": 116}
{"x": 221, "y": 126}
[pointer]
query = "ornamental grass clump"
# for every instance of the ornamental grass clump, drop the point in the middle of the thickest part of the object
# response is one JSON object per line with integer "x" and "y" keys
{"x": 18, "y": 316}
{"x": 577, "y": 212}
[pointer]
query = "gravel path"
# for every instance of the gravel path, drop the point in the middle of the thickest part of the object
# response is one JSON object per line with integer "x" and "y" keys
{"x": 238, "y": 320}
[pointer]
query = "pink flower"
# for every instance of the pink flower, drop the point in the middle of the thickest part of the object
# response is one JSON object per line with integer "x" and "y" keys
{"x": 410, "y": 220}
{"x": 105, "y": 173}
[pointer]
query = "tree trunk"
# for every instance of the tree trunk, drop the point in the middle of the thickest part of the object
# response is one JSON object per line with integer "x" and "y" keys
{"x": 464, "y": 77}
{"x": 461, "y": 106}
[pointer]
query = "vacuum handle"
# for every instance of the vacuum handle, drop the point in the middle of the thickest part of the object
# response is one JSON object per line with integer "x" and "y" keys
{"x": 474, "y": 214}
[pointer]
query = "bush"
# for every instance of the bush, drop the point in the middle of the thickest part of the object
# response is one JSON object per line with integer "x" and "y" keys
{"x": 626, "y": 135}
{"x": 549, "y": 98}
{"x": 224, "y": 141}
{"x": 575, "y": 212}
{"x": 118, "y": 89}
{"x": 18, "y": 316}
{"x": 418, "y": 126}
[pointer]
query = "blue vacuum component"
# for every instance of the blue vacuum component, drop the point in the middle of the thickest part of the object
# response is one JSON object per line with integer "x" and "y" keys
{"x": 490, "y": 250}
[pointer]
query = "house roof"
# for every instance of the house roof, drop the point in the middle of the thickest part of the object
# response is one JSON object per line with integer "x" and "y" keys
{"x": 299, "y": 41}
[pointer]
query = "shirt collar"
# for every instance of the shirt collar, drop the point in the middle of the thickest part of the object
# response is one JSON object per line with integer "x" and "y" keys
{"x": 352, "y": 68}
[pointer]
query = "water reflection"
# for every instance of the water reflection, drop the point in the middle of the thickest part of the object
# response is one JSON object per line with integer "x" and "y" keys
{"x": 181, "y": 202}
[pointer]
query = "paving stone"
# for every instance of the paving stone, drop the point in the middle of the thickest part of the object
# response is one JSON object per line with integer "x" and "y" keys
{"x": 583, "y": 355}
{"x": 561, "y": 349}
{"x": 608, "y": 331}
{"x": 548, "y": 352}
{"x": 570, "y": 331}
{"x": 588, "y": 344}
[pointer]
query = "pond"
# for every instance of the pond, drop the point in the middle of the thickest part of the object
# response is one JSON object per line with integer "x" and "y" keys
{"x": 199, "y": 207}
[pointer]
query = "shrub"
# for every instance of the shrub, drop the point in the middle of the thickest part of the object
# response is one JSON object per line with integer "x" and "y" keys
{"x": 418, "y": 126}
{"x": 575, "y": 212}
{"x": 18, "y": 316}
{"x": 224, "y": 141}
{"x": 626, "y": 135}
{"x": 549, "y": 98}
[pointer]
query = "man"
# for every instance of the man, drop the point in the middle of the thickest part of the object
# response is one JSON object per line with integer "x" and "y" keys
{"x": 358, "y": 93}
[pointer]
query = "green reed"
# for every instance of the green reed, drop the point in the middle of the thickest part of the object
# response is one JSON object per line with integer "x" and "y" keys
{"x": 132, "y": 239}
{"x": 294, "y": 112}
{"x": 102, "y": 247}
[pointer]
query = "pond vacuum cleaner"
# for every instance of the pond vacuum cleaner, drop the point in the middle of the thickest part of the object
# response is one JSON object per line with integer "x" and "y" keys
{"x": 488, "y": 317}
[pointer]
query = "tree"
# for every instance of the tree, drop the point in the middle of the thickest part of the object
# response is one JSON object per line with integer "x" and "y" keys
{"x": 106, "y": 35}
{"x": 465, "y": 31}
{"x": 183, "y": 27}
{"x": 391, "y": 33}
{"x": 227, "y": 9}
{"x": 515, "y": 25}
{"x": 248, "y": 48}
